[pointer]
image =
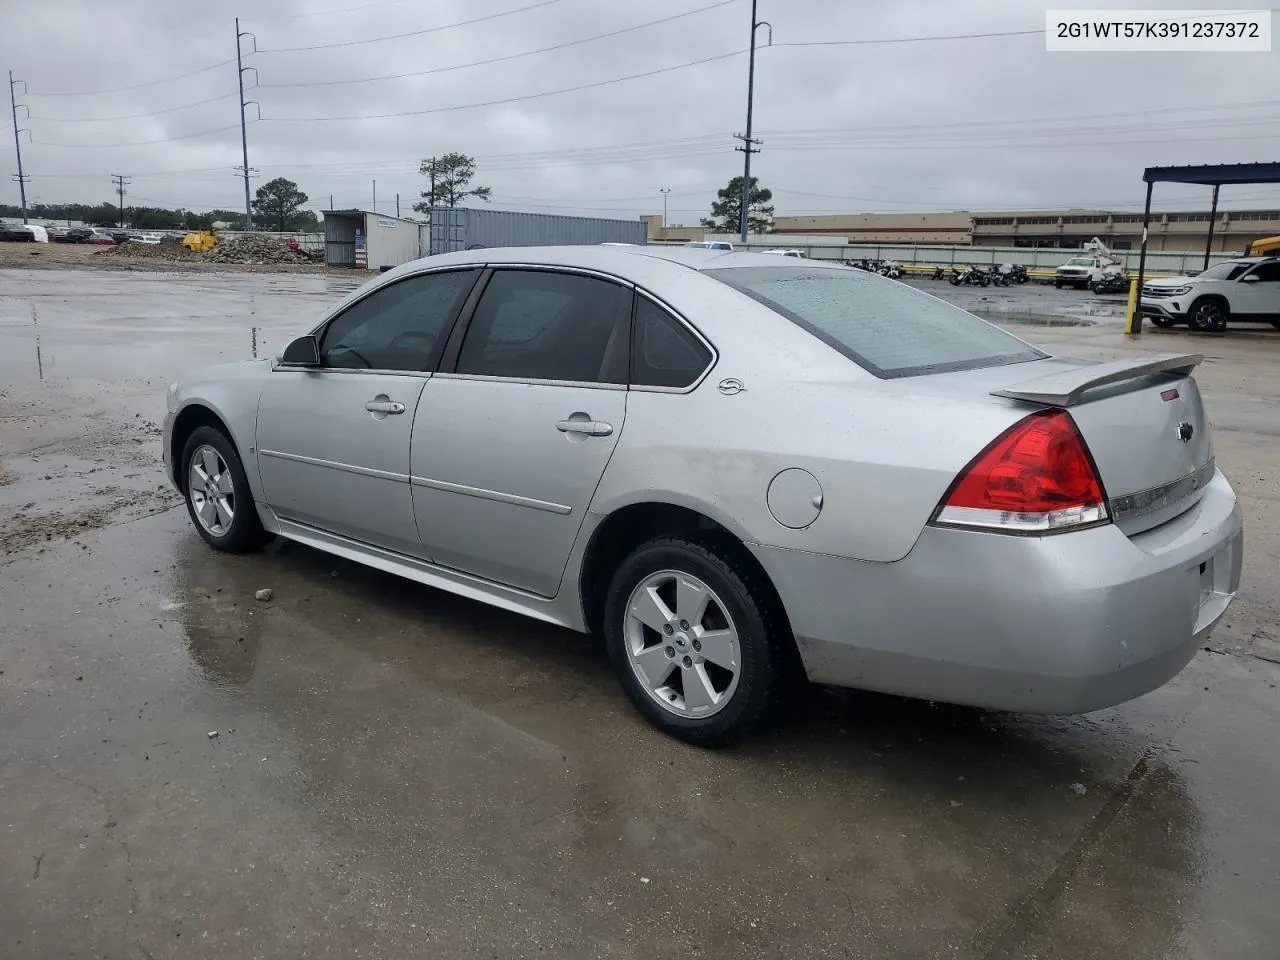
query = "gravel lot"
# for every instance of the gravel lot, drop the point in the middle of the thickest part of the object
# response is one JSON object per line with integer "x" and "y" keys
{"x": 365, "y": 767}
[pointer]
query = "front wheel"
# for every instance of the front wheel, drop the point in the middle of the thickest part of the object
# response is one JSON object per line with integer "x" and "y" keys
{"x": 1057, "y": 284}
{"x": 217, "y": 493}
{"x": 691, "y": 635}
{"x": 1208, "y": 316}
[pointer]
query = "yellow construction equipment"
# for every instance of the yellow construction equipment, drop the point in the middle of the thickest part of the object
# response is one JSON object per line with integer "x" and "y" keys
{"x": 200, "y": 240}
{"x": 1264, "y": 247}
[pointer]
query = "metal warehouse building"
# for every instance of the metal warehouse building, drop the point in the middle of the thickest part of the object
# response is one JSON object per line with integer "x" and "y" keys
{"x": 471, "y": 228}
{"x": 369, "y": 241}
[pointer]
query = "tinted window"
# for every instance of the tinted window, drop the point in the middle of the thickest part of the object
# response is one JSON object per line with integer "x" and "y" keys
{"x": 664, "y": 352}
{"x": 538, "y": 325}
{"x": 1224, "y": 271}
{"x": 886, "y": 327}
{"x": 398, "y": 327}
{"x": 1267, "y": 272}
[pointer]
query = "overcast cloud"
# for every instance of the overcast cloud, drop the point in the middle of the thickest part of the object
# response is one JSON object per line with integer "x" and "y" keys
{"x": 984, "y": 123}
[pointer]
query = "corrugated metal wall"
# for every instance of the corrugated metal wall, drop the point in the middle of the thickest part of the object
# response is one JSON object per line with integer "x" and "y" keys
{"x": 466, "y": 228}
{"x": 391, "y": 242}
{"x": 340, "y": 239}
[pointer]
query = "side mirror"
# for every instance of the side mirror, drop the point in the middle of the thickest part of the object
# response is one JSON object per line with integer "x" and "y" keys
{"x": 304, "y": 352}
{"x": 1250, "y": 278}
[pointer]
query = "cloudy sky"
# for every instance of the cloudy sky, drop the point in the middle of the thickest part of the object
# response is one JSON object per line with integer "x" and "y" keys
{"x": 855, "y": 111}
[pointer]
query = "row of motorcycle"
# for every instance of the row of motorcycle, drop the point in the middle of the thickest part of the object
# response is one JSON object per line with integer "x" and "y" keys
{"x": 886, "y": 268}
{"x": 998, "y": 275}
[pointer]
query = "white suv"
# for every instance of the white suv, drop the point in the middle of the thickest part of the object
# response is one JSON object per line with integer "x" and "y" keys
{"x": 1245, "y": 290}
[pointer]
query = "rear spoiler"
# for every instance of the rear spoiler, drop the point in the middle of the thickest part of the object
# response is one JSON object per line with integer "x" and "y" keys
{"x": 1065, "y": 389}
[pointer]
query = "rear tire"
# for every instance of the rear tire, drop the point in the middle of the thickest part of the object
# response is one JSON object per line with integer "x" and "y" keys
{"x": 665, "y": 603}
{"x": 217, "y": 493}
{"x": 1057, "y": 284}
{"x": 1208, "y": 315}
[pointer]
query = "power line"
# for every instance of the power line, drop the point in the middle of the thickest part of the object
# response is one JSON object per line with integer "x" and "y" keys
{"x": 873, "y": 41}
{"x": 141, "y": 143}
{"x": 325, "y": 13}
{"x": 411, "y": 33}
{"x": 503, "y": 59}
{"x": 134, "y": 116}
{"x": 504, "y": 100}
{"x": 136, "y": 86}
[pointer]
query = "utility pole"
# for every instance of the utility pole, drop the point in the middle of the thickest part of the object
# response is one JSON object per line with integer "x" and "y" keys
{"x": 434, "y": 199}
{"x": 375, "y": 196}
{"x": 397, "y": 206}
{"x": 121, "y": 182}
{"x": 331, "y": 201}
{"x": 664, "y": 191}
{"x": 749, "y": 146}
{"x": 244, "y": 134}
{"x": 17, "y": 142}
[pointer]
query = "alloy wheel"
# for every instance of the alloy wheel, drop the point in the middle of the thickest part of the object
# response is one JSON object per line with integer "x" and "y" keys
{"x": 682, "y": 644}
{"x": 211, "y": 491}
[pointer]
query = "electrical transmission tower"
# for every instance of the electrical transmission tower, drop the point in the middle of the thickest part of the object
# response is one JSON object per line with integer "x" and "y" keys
{"x": 121, "y": 182}
{"x": 21, "y": 177}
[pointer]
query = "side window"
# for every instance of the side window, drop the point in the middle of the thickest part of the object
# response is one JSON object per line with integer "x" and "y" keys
{"x": 1267, "y": 272}
{"x": 397, "y": 328}
{"x": 539, "y": 325}
{"x": 664, "y": 352}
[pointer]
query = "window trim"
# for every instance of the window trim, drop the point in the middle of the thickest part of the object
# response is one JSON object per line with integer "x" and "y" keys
{"x": 679, "y": 318}
{"x": 448, "y": 366}
{"x": 437, "y": 351}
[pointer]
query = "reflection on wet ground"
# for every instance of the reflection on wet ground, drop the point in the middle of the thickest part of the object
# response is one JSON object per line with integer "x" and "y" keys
{"x": 367, "y": 767}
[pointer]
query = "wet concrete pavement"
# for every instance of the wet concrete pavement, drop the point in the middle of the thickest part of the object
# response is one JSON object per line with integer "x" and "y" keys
{"x": 399, "y": 773}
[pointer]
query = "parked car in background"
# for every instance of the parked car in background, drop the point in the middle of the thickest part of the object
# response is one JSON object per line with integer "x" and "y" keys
{"x": 730, "y": 464}
{"x": 150, "y": 239}
{"x": 102, "y": 238}
{"x": 23, "y": 233}
{"x": 710, "y": 244}
{"x": 784, "y": 253}
{"x": 1244, "y": 290}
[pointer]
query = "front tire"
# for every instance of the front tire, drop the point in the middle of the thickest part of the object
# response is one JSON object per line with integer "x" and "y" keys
{"x": 691, "y": 633}
{"x": 217, "y": 493}
{"x": 1208, "y": 315}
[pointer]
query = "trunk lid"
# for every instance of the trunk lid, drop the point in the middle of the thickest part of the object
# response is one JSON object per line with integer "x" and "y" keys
{"x": 1142, "y": 419}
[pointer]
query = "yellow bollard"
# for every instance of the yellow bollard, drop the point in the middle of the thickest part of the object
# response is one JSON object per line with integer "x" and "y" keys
{"x": 1131, "y": 317}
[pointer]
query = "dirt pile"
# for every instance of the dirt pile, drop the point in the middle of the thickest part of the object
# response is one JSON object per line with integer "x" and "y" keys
{"x": 253, "y": 249}
{"x": 242, "y": 250}
{"x": 173, "y": 252}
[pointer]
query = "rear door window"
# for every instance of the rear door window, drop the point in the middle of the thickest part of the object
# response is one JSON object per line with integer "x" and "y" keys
{"x": 887, "y": 327}
{"x": 542, "y": 325}
{"x": 664, "y": 352}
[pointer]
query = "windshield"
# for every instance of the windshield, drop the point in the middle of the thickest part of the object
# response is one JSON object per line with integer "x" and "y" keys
{"x": 1079, "y": 262}
{"x": 1224, "y": 271}
{"x": 886, "y": 327}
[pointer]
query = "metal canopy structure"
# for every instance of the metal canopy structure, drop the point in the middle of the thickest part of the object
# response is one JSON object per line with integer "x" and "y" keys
{"x": 1214, "y": 175}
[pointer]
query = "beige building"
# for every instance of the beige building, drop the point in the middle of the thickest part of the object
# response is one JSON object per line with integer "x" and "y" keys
{"x": 1069, "y": 229}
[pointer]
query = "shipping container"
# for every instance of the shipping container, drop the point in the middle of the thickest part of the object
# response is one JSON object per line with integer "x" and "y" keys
{"x": 367, "y": 240}
{"x": 472, "y": 228}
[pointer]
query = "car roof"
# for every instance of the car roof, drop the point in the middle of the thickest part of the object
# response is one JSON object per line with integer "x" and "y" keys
{"x": 601, "y": 257}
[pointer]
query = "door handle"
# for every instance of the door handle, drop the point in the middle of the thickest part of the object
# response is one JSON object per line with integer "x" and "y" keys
{"x": 384, "y": 406}
{"x": 589, "y": 428}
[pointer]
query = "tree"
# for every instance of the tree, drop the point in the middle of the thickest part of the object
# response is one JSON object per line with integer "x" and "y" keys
{"x": 449, "y": 176}
{"x": 277, "y": 201}
{"x": 726, "y": 212}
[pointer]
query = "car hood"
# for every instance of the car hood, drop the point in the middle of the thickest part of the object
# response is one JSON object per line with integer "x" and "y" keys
{"x": 1171, "y": 281}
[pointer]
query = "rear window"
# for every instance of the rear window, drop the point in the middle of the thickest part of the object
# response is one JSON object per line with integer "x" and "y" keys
{"x": 886, "y": 327}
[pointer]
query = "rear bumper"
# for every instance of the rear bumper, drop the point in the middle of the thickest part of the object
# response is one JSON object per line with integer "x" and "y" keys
{"x": 1062, "y": 624}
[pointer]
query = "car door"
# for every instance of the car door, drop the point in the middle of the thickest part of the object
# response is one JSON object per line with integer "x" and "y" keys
{"x": 1258, "y": 297}
{"x": 514, "y": 432}
{"x": 333, "y": 439}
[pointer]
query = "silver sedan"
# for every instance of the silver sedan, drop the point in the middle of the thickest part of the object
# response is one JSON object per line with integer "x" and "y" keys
{"x": 730, "y": 465}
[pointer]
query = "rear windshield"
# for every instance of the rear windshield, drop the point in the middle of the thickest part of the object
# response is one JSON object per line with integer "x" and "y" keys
{"x": 887, "y": 327}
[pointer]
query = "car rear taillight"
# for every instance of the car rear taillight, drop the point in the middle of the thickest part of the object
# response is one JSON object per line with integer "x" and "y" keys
{"x": 1036, "y": 477}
